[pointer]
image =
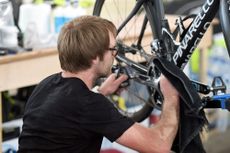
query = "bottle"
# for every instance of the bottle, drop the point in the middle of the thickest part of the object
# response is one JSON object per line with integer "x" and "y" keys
{"x": 73, "y": 11}
{"x": 38, "y": 13}
{"x": 58, "y": 18}
{"x": 34, "y": 21}
{"x": 6, "y": 13}
{"x": 69, "y": 12}
{"x": 63, "y": 14}
{"x": 80, "y": 10}
{"x": 8, "y": 30}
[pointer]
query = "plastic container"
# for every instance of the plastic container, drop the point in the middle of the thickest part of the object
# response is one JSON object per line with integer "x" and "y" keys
{"x": 8, "y": 36}
{"x": 38, "y": 14}
{"x": 6, "y": 13}
{"x": 34, "y": 21}
{"x": 8, "y": 31}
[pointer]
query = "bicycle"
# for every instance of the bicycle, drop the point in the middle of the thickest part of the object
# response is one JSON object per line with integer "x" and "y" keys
{"x": 135, "y": 56}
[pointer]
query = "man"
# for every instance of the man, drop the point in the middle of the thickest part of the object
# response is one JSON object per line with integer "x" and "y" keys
{"x": 64, "y": 115}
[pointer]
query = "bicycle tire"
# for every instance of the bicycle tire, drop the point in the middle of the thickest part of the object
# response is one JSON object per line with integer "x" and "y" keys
{"x": 190, "y": 7}
{"x": 225, "y": 21}
{"x": 107, "y": 9}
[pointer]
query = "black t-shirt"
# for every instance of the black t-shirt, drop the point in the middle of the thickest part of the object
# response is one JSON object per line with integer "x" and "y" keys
{"x": 63, "y": 115}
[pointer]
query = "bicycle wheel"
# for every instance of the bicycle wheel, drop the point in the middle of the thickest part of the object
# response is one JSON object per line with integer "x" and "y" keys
{"x": 187, "y": 7}
{"x": 135, "y": 100}
{"x": 184, "y": 7}
{"x": 225, "y": 21}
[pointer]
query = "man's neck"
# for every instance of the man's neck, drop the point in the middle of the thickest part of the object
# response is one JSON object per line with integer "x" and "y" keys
{"x": 86, "y": 76}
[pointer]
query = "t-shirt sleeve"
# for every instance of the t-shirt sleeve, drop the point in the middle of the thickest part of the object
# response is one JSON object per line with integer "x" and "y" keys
{"x": 104, "y": 119}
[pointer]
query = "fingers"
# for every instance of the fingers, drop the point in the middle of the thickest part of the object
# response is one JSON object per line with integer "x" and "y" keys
{"x": 121, "y": 79}
{"x": 112, "y": 83}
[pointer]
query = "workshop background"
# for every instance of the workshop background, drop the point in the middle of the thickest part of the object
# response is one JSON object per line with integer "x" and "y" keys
{"x": 19, "y": 18}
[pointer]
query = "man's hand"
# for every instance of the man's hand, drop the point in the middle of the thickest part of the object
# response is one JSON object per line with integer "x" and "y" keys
{"x": 111, "y": 84}
{"x": 169, "y": 92}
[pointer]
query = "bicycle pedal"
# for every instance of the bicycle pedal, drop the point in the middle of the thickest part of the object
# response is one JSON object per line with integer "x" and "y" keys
{"x": 218, "y": 86}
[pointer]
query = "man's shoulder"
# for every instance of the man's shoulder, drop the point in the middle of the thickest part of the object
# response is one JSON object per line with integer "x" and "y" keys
{"x": 50, "y": 78}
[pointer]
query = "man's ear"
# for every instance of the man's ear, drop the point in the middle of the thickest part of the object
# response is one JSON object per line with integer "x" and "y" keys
{"x": 96, "y": 60}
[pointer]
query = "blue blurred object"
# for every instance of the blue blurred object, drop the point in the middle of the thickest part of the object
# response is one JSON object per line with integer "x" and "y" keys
{"x": 8, "y": 149}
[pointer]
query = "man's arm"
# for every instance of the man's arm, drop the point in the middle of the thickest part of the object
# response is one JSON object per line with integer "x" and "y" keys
{"x": 159, "y": 138}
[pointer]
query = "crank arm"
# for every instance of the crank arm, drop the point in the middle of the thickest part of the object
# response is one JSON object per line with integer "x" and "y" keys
{"x": 201, "y": 88}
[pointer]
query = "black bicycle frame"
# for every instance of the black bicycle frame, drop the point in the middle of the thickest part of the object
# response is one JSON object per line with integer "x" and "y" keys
{"x": 195, "y": 32}
{"x": 190, "y": 40}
